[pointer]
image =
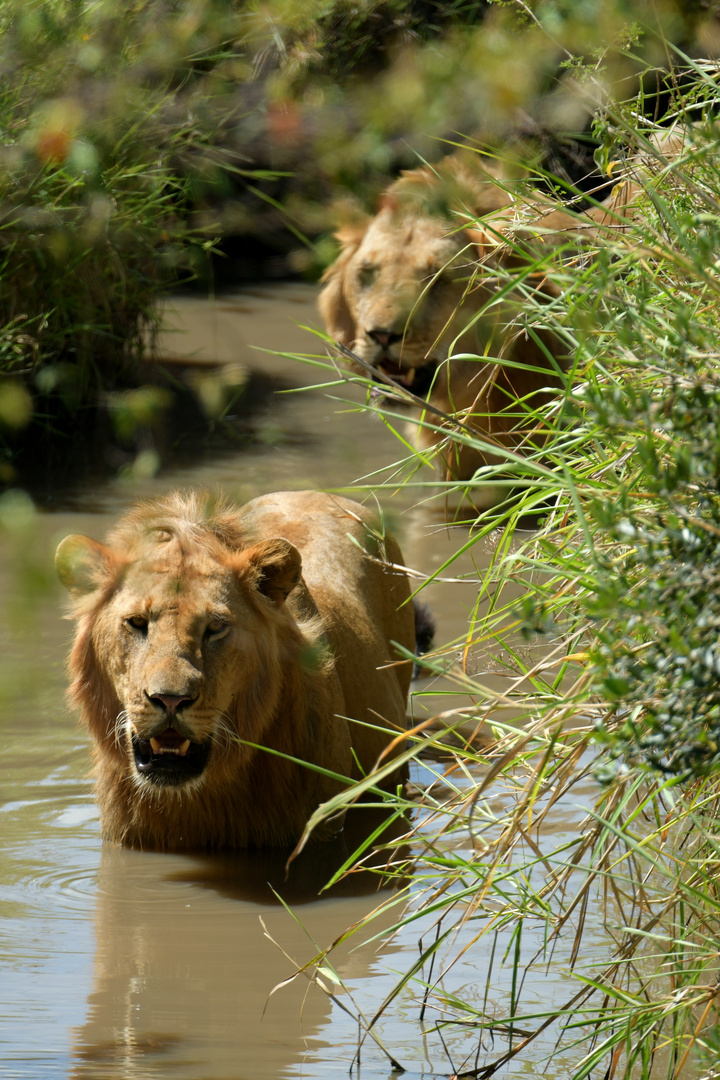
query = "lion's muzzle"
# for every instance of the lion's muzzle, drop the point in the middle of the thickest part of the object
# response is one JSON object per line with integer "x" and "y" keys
{"x": 171, "y": 703}
{"x": 167, "y": 754}
{"x": 384, "y": 338}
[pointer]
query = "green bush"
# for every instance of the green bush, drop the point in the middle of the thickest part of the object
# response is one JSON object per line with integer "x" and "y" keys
{"x": 656, "y": 526}
{"x": 105, "y": 122}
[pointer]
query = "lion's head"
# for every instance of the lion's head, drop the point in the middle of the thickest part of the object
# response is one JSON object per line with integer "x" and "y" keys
{"x": 426, "y": 279}
{"x": 186, "y": 652}
{"x": 397, "y": 290}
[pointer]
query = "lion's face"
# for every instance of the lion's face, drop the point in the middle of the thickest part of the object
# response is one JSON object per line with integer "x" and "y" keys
{"x": 394, "y": 294}
{"x": 168, "y": 637}
{"x": 441, "y": 294}
{"x": 188, "y": 642}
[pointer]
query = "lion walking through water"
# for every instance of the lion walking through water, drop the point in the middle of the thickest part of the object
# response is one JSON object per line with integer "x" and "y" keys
{"x": 206, "y": 632}
{"x": 423, "y": 295}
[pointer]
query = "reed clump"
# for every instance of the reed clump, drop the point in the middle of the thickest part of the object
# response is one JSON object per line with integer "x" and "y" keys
{"x": 611, "y": 665}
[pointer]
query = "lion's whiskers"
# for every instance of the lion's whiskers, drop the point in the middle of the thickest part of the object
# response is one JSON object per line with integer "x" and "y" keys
{"x": 225, "y": 736}
{"x": 122, "y": 728}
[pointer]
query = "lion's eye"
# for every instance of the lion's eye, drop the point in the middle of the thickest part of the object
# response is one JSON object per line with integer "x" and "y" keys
{"x": 138, "y": 622}
{"x": 366, "y": 276}
{"x": 216, "y": 628}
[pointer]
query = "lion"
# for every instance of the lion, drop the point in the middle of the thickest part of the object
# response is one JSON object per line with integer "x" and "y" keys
{"x": 419, "y": 294}
{"x": 206, "y": 632}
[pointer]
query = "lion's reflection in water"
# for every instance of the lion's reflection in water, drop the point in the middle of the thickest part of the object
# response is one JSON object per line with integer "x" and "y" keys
{"x": 183, "y": 971}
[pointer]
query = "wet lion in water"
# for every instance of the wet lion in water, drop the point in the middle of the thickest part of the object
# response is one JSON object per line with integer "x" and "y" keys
{"x": 203, "y": 628}
{"x": 424, "y": 281}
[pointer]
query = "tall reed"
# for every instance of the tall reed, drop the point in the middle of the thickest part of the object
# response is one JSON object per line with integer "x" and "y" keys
{"x": 617, "y": 699}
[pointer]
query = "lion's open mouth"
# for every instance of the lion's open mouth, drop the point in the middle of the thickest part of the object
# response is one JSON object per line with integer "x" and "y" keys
{"x": 169, "y": 758}
{"x": 418, "y": 380}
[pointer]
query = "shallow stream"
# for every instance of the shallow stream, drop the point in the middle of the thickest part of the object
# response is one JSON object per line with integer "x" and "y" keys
{"x": 123, "y": 964}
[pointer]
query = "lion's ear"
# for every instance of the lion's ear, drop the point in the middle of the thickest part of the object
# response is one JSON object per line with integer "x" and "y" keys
{"x": 79, "y": 562}
{"x": 278, "y": 565}
{"x": 333, "y": 300}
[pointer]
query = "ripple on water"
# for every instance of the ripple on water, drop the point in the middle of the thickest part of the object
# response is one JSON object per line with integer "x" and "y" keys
{"x": 48, "y": 882}
{"x": 50, "y": 852}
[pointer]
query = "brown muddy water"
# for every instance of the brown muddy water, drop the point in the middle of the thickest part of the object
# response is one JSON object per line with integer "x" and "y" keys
{"x": 124, "y": 965}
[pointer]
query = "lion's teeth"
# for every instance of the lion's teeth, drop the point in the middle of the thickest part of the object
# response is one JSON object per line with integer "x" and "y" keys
{"x": 181, "y": 750}
{"x": 410, "y": 377}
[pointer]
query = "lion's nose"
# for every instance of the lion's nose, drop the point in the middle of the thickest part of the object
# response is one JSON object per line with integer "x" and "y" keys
{"x": 384, "y": 338}
{"x": 171, "y": 703}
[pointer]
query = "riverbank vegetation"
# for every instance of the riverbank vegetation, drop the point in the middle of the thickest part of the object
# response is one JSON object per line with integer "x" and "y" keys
{"x": 607, "y": 663}
{"x": 106, "y": 135}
